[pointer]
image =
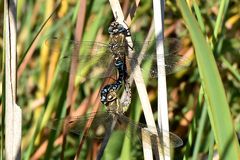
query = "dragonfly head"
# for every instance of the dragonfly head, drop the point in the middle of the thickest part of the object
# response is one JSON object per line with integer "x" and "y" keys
{"x": 116, "y": 28}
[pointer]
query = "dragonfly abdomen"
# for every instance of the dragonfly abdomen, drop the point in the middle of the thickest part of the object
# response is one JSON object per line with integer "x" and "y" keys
{"x": 108, "y": 93}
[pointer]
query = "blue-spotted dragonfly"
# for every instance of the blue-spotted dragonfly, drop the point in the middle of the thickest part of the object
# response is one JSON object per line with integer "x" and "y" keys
{"x": 96, "y": 59}
{"x": 102, "y": 55}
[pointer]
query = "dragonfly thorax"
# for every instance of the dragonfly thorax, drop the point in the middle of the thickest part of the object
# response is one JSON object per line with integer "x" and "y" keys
{"x": 118, "y": 45}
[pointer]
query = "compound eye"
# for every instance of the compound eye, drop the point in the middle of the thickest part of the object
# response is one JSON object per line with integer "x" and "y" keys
{"x": 110, "y": 29}
{"x": 120, "y": 26}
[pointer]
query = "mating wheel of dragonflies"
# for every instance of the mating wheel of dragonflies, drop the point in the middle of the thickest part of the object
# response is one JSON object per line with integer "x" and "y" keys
{"x": 101, "y": 121}
{"x": 96, "y": 59}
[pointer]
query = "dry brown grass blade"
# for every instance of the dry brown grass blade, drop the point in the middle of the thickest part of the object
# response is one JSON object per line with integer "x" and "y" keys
{"x": 42, "y": 149}
{"x": 13, "y": 112}
{"x": 78, "y": 37}
{"x": 132, "y": 12}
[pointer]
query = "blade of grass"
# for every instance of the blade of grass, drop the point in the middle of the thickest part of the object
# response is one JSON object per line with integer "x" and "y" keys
{"x": 230, "y": 68}
{"x": 199, "y": 16}
{"x": 220, "y": 17}
{"x": 200, "y": 132}
{"x": 73, "y": 68}
{"x": 132, "y": 11}
{"x": 3, "y": 111}
{"x": 136, "y": 111}
{"x": 218, "y": 108}
{"x": 211, "y": 146}
{"x": 193, "y": 127}
{"x": 158, "y": 9}
{"x": 13, "y": 114}
{"x": 44, "y": 53}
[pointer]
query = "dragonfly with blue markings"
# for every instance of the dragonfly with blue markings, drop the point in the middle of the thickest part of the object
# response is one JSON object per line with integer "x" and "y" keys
{"x": 96, "y": 60}
{"x": 117, "y": 50}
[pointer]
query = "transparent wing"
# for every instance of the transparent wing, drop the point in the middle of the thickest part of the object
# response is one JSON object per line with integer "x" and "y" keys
{"x": 94, "y": 58}
{"x": 172, "y": 64}
{"x": 87, "y": 46}
{"x": 146, "y": 131}
{"x": 101, "y": 121}
{"x": 89, "y": 66}
{"x": 171, "y": 45}
{"x": 172, "y": 60}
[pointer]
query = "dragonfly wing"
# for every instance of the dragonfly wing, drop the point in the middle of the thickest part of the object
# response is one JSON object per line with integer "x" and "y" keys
{"x": 172, "y": 63}
{"x": 143, "y": 130}
{"x": 89, "y": 66}
{"x": 93, "y": 60}
{"x": 171, "y": 45}
{"x": 100, "y": 122}
{"x": 163, "y": 136}
{"x": 144, "y": 52}
{"x": 58, "y": 44}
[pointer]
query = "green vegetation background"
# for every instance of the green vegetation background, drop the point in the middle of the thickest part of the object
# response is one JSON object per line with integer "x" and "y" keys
{"x": 42, "y": 87}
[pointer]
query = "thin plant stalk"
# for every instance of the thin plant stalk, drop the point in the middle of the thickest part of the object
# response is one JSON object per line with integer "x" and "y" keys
{"x": 158, "y": 7}
{"x": 78, "y": 37}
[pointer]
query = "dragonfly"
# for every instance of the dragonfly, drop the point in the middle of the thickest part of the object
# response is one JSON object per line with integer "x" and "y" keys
{"x": 119, "y": 50}
{"x": 114, "y": 117}
{"x": 97, "y": 61}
